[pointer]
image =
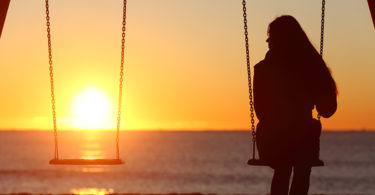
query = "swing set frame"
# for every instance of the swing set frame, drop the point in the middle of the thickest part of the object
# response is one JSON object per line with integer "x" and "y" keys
{"x": 4, "y": 5}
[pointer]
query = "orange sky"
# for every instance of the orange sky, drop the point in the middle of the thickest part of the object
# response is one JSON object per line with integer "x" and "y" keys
{"x": 185, "y": 61}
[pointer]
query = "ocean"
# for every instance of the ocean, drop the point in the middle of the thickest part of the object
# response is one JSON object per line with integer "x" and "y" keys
{"x": 164, "y": 162}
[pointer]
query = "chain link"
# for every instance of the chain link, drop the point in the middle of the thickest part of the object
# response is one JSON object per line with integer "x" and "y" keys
{"x": 121, "y": 81}
{"x": 249, "y": 76}
{"x": 51, "y": 81}
{"x": 322, "y": 34}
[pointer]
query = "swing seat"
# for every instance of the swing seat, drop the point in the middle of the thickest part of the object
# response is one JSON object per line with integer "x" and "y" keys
{"x": 86, "y": 162}
{"x": 258, "y": 162}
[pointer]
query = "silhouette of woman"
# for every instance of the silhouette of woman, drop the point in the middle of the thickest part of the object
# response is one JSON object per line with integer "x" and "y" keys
{"x": 288, "y": 83}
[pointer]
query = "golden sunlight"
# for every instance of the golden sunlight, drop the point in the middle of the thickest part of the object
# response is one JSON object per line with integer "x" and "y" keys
{"x": 92, "y": 109}
{"x": 93, "y": 191}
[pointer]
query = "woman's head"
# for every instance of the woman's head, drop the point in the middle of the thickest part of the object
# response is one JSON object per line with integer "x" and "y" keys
{"x": 286, "y": 33}
{"x": 286, "y": 36}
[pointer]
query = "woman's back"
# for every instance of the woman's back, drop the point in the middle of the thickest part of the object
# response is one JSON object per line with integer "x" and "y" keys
{"x": 282, "y": 89}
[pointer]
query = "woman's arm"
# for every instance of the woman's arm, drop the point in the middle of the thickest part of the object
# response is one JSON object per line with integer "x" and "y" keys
{"x": 261, "y": 92}
{"x": 326, "y": 104}
{"x": 326, "y": 101}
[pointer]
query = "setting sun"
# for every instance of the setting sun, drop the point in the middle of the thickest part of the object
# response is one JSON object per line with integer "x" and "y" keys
{"x": 92, "y": 109}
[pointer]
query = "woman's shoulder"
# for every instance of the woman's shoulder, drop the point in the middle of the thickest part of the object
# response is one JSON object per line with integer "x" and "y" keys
{"x": 265, "y": 63}
{"x": 265, "y": 67}
{"x": 260, "y": 65}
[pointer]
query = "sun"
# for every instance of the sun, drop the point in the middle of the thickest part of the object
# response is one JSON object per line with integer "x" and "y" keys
{"x": 92, "y": 109}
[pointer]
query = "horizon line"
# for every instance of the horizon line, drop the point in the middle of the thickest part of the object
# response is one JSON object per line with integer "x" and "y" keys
{"x": 173, "y": 130}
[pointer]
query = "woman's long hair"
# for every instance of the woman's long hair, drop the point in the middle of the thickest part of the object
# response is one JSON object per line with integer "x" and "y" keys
{"x": 288, "y": 35}
{"x": 290, "y": 39}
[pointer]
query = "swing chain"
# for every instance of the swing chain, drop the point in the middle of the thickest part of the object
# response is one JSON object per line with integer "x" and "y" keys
{"x": 322, "y": 33}
{"x": 249, "y": 77}
{"x": 322, "y": 27}
{"x": 51, "y": 80}
{"x": 121, "y": 81}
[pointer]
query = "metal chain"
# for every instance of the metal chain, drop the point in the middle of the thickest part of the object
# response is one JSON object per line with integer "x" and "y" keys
{"x": 121, "y": 80}
{"x": 51, "y": 81}
{"x": 322, "y": 33}
{"x": 322, "y": 27}
{"x": 249, "y": 76}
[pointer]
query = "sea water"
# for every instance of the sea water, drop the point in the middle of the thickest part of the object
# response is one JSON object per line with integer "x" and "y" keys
{"x": 173, "y": 162}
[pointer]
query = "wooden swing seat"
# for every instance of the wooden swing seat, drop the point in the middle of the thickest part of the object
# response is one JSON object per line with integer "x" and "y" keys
{"x": 258, "y": 162}
{"x": 86, "y": 162}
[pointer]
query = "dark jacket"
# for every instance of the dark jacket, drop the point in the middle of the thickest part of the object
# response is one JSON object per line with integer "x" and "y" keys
{"x": 286, "y": 89}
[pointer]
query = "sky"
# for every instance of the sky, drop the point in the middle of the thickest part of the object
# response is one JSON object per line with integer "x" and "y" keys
{"x": 185, "y": 65}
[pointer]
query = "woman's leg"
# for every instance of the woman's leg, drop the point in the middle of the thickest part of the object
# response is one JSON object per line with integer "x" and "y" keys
{"x": 301, "y": 180}
{"x": 280, "y": 181}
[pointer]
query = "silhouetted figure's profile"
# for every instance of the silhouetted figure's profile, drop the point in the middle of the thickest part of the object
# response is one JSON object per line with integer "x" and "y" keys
{"x": 288, "y": 83}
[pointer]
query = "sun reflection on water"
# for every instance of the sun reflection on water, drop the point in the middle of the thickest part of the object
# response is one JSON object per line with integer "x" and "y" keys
{"x": 92, "y": 154}
{"x": 91, "y": 170}
{"x": 93, "y": 191}
{"x": 92, "y": 149}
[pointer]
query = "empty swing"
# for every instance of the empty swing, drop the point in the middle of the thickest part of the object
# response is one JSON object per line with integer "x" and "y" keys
{"x": 56, "y": 160}
{"x": 256, "y": 161}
